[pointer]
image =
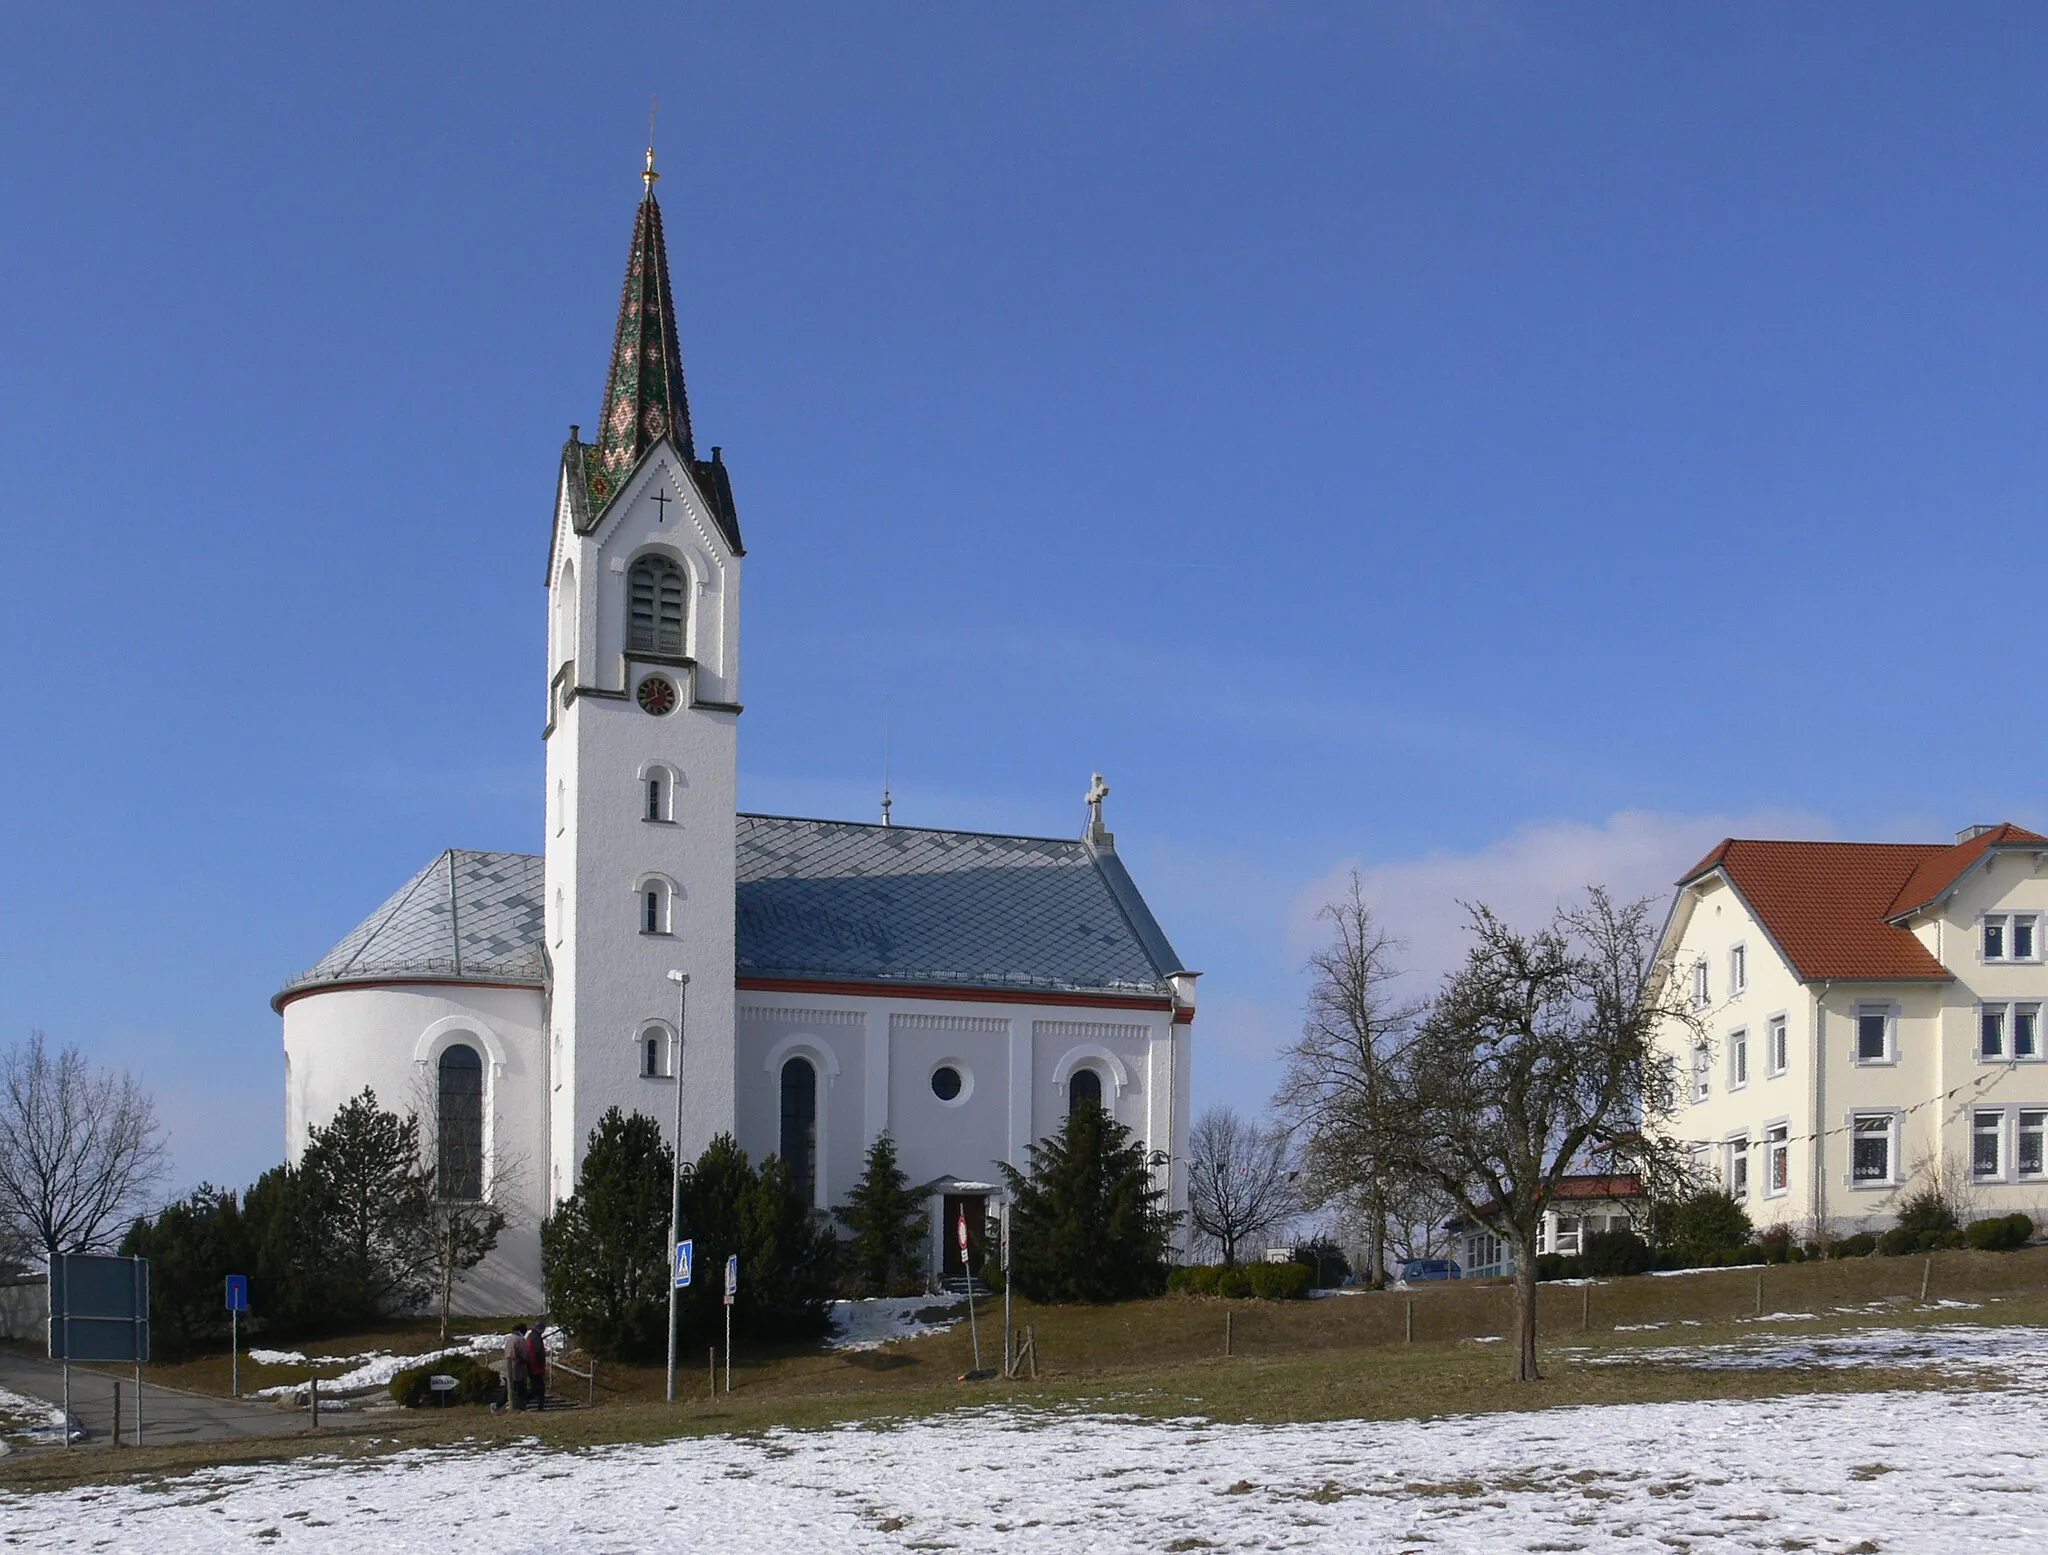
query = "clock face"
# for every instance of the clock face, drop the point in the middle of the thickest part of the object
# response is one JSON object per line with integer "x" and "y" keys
{"x": 656, "y": 696}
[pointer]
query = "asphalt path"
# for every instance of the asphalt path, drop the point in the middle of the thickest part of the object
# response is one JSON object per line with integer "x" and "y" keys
{"x": 168, "y": 1414}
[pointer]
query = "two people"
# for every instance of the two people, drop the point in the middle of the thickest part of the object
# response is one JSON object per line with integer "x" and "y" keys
{"x": 526, "y": 1366}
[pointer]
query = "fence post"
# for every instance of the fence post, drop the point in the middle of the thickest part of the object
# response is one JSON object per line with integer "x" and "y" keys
{"x": 117, "y": 1412}
{"x": 1410, "y": 1337}
{"x": 590, "y": 1386}
{"x": 1759, "y": 1293}
{"x": 1926, "y": 1273}
{"x": 1585, "y": 1306}
{"x": 1227, "y": 1315}
{"x": 313, "y": 1398}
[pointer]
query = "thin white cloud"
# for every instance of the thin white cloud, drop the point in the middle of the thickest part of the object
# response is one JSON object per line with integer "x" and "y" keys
{"x": 1527, "y": 874}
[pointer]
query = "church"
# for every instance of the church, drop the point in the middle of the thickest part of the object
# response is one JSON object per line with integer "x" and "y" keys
{"x": 802, "y": 984}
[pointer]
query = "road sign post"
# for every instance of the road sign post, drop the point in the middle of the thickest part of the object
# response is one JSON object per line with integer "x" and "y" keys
{"x": 238, "y": 1303}
{"x": 732, "y": 1289}
{"x": 99, "y": 1311}
{"x": 967, "y": 1268}
{"x": 675, "y": 1195}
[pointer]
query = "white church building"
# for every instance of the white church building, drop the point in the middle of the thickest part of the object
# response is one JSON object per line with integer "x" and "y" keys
{"x": 960, "y": 990}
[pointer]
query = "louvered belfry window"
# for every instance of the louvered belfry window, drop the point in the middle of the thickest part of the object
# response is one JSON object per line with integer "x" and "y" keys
{"x": 654, "y": 606}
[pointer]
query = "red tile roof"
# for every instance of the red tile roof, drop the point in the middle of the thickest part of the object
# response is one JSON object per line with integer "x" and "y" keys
{"x": 1832, "y": 907}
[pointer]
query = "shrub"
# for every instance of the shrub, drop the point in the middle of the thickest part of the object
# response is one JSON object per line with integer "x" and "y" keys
{"x": 1702, "y": 1229}
{"x": 1615, "y": 1252}
{"x": 1194, "y": 1279}
{"x": 475, "y": 1383}
{"x": 1926, "y": 1222}
{"x": 1861, "y": 1245}
{"x": 1324, "y": 1260}
{"x": 888, "y": 1227}
{"x": 1280, "y": 1281}
{"x": 1235, "y": 1281}
{"x": 1088, "y": 1222}
{"x": 2001, "y": 1233}
{"x": 1556, "y": 1266}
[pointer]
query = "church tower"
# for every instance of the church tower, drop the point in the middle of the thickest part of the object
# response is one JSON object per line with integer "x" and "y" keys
{"x": 641, "y": 737}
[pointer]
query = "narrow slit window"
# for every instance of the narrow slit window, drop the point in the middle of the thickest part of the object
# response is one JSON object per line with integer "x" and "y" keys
{"x": 654, "y": 806}
{"x": 1780, "y": 1048}
{"x": 653, "y": 910}
{"x": 653, "y": 1067}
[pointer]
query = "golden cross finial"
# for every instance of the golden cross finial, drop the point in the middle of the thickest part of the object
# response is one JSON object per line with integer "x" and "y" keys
{"x": 649, "y": 176}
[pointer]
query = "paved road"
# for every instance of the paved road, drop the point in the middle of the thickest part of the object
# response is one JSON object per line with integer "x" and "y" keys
{"x": 168, "y": 1414}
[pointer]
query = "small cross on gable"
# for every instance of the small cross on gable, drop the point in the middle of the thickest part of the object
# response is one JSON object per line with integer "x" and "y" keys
{"x": 662, "y": 500}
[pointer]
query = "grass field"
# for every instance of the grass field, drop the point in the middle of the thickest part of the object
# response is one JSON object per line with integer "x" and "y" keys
{"x": 1344, "y": 1356}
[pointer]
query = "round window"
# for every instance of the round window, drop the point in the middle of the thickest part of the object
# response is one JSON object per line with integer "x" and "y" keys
{"x": 945, "y": 1082}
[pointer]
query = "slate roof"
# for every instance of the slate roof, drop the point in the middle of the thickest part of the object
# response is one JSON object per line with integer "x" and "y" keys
{"x": 1836, "y": 909}
{"x": 826, "y": 901}
{"x": 467, "y": 917}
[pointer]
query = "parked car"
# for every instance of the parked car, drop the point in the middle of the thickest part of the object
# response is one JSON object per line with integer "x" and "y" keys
{"x": 1418, "y": 1270}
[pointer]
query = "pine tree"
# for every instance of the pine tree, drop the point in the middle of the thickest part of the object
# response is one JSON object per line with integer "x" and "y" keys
{"x": 192, "y": 1245}
{"x": 1088, "y": 1224}
{"x": 889, "y": 1224}
{"x": 604, "y": 1252}
{"x": 792, "y": 1255}
{"x": 370, "y": 1196}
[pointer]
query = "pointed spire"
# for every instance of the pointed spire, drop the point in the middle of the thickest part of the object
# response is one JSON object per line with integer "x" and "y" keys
{"x": 643, "y": 396}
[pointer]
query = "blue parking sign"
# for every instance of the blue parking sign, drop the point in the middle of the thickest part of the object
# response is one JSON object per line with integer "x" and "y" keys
{"x": 238, "y": 1293}
{"x": 684, "y": 1252}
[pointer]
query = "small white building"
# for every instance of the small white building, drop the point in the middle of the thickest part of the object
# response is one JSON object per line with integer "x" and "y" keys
{"x": 1872, "y": 1016}
{"x": 958, "y": 989}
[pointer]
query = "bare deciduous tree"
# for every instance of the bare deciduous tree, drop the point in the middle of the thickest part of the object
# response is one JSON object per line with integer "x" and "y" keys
{"x": 80, "y": 1150}
{"x": 1540, "y": 1048}
{"x": 1332, "y": 1091}
{"x": 1238, "y": 1185}
{"x": 470, "y": 1200}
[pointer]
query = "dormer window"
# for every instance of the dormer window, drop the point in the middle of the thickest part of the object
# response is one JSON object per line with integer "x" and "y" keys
{"x": 654, "y": 606}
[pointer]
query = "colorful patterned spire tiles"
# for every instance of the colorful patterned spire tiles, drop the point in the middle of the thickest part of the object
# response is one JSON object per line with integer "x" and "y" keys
{"x": 643, "y": 397}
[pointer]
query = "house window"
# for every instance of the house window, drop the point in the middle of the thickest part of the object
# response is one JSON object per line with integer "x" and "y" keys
{"x": 1738, "y": 1060}
{"x": 1870, "y": 1152}
{"x": 460, "y": 1120}
{"x": 1483, "y": 1253}
{"x": 1568, "y": 1235}
{"x": 1991, "y": 1031}
{"x": 800, "y": 1126}
{"x": 656, "y": 809}
{"x": 1987, "y": 1139}
{"x": 1777, "y": 1161}
{"x": 2011, "y": 936}
{"x": 2032, "y": 1130}
{"x": 1778, "y": 1046}
{"x": 1873, "y": 1035}
{"x": 1700, "y": 1062}
{"x": 1738, "y": 1168}
{"x": 2026, "y": 1031}
{"x": 654, "y": 606}
{"x": 1738, "y": 970}
{"x": 1700, "y": 995}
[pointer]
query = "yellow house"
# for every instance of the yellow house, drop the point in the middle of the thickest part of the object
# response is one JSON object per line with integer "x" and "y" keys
{"x": 1871, "y": 1017}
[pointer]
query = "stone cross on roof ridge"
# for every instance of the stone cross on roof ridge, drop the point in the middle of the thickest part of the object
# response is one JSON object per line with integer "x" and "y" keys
{"x": 1097, "y": 834}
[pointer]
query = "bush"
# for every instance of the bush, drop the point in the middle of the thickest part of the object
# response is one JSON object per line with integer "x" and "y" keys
{"x": 1088, "y": 1222}
{"x": 1556, "y": 1266}
{"x": 1324, "y": 1260}
{"x": 1861, "y": 1245}
{"x": 475, "y": 1383}
{"x": 1235, "y": 1282}
{"x": 1195, "y": 1279}
{"x": 1926, "y": 1222}
{"x": 1703, "y": 1229}
{"x": 1778, "y": 1246}
{"x": 1280, "y": 1281}
{"x": 1615, "y": 1252}
{"x": 2001, "y": 1233}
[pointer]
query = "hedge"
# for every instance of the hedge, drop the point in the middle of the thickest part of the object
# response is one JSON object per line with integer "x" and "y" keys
{"x": 475, "y": 1383}
{"x": 2001, "y": 1233}
{"x": 1266, "y": 1281}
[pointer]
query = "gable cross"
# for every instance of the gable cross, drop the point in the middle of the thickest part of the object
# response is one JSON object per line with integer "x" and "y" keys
{"x": 1097, "y": 792}
{"x": 662, "y": 500}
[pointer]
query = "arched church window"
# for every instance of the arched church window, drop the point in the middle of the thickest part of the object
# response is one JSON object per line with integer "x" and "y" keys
{"x": 800, "y": 1126}
{"x": 653, "y": 1052}
{"x": 1084, "y": 1085}
{"x": 657, "y": 807}
{"x": 654, "y": 907}
{"x": 461, "y": 1123}
{"x": 654, "y": 606}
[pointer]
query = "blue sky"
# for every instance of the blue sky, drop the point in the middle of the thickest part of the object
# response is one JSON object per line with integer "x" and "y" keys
{"x": 1497, "y": 447}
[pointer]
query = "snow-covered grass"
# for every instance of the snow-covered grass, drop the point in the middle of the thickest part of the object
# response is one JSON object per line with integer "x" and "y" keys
{"x": 1935, "y": 1471}
{"x": 1957, "y": 1348}
{"x": 28, "y": 1420}
{"x": 870, "y": 1324}
{"x": 375, "y": 1368}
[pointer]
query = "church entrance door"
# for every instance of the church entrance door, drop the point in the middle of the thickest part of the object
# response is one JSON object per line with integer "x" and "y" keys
{"x": 975, "y": 1205}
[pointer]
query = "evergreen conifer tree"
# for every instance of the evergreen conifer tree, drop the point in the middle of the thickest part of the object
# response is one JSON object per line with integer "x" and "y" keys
{"x": 192, "y": 1245}
{"x": 604, "y": 1252}
{"x": 888, "y": 1223}
{"x": 1088, "y": 1224}
{"x": 366, "y": 1195}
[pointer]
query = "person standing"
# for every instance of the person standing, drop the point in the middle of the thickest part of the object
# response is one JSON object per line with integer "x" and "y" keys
{"x": 516, "y": 1367}
{"x": 537, "y": 1364}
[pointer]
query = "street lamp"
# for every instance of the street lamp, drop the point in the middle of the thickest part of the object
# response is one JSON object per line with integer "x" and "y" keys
{"x": 675, "y": 1197}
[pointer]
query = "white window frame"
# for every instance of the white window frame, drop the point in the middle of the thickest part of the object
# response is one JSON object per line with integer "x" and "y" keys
{"x": 1702, "y": 1071}
{"x": 2001, "y": 1163}
{"x": 1889, "y": 1009}
{"x": 1738, "y": 1058}
{"x": 658, "y": 772}
{"x": 1735, "y": 1166}
{"x": 1891, "y": 1179}
{"x": 1777, "y": 1046}
{"x": 2019, "y": 1133}
{"x": 663, "y": 908}
{"x": 1777, "y": 1148}
{"x": 663, "y": 1035}
{"x": 2004, "y": 923}
{"x": 1738, "y": 969}
{"x": 2008, "y": 1012}
{"x": 1702, "y": 989}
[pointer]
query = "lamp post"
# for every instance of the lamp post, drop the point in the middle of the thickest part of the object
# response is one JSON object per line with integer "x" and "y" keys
{"x": 675, "y": 1197}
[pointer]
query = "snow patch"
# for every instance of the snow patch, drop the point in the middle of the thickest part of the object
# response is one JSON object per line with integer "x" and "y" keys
{"x": 880, "y": 1320}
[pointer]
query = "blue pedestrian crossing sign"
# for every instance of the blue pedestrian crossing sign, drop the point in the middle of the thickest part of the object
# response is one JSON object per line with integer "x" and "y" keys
{"x": 685, "y": 1251}
{"x": 238, "y": 1293}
